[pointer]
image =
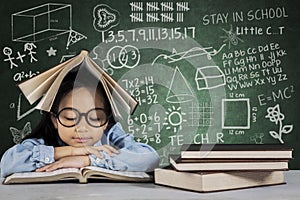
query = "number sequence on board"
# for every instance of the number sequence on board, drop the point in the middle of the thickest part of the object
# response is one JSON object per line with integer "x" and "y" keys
{"x": 148, "y": 34}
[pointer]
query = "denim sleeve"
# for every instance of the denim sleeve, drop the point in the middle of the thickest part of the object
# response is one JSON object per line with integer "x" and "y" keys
{"x": 133, "y": 156}
{"x": 27, "y": 156}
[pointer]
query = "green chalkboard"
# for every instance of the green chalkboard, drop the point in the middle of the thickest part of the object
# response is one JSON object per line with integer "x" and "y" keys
{"x": 202, "y": 71}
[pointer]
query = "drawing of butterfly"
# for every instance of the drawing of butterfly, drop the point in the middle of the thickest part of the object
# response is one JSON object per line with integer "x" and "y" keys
{"x": 18, "y": 135}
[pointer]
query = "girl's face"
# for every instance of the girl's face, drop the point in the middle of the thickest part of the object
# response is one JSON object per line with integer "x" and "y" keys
{"x": 82, "y": 134}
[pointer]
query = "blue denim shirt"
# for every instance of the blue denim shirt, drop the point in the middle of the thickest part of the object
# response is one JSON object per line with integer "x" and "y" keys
{"x": 33, "y": 153}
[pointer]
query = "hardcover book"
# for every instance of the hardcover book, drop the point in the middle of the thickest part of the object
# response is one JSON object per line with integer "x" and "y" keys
{"x": 226, "y": 164}
{"x": 217, "y": 181}
{"x": 243, "y": 151}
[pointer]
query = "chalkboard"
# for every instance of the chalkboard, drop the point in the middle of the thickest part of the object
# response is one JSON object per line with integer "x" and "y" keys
{"x": 202, "y": 71}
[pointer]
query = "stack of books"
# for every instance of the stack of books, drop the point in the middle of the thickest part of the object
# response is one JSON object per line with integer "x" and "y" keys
{"x": 218, "y": 167}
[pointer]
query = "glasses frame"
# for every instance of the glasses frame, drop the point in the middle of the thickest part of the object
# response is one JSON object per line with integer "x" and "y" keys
{"x": 80, "y": 115}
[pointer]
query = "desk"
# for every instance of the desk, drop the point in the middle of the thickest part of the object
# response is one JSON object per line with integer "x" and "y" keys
{"x": 112, "y": 191}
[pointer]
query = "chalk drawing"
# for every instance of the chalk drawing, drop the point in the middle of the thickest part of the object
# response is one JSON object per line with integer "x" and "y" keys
{"x": 277, "y": 117}
{"x": 209, "y": 77}
{"x": 19, "y": 135}
{"x": 257, "y": 138}
{"x": 174, "y": 119}
{"x": 182, "y": 6}
{"x": 127, "y": 56}
{"x": 105, "y": 17}
{"x": 158, "y": 11}
{"x": 51, "y": 52}
{"x": 196, "y": 51}
{"x": 231, "y": 37}
{"x": 231, "y": 119}
{"x": 201, "y": 114}
{"x": 29, "y": 47}
{"x": 43, "y": 22}
{"x": 8, "y": 52}
{"x": 179, "y": 91}
{"x": 74, "y": 37}
{"x": 66, "y": 57}
{"x": 20, "y": 57}
{"x": 19, "y": 115}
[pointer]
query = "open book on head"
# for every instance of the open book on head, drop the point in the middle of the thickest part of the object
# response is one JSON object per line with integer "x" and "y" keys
{"x": 45, "y": 85}
{"x": 82, "y": 175}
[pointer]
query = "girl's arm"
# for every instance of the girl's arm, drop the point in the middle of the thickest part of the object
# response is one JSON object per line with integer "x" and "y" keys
{"x": 67, "y": 156}
{"x": 27, "y": 156}
{"x": 66, "y": 151}
{"x": 32, "y": 154}
{"x": 133, "y": 156}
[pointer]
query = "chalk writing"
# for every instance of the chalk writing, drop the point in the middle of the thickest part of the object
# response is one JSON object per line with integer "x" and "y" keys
{"x": 256, "y": 66}
{"x": 119, "y": 57}
{"x": 260, "y": 14}
{"x": 148, "y": 34}
{"x": 280, "y": 94}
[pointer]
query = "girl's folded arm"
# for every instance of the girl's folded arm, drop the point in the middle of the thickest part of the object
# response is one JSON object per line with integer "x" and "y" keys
{"x": 25, "y": 157}
{"x": 133, "y": 156}
{"x": 128, "y": 160}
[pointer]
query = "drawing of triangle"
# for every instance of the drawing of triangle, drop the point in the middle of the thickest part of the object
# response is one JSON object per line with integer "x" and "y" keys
{"x": 179, "y": 90}
{"x": 74, "y": 37}
{"x": 25, "y": 113}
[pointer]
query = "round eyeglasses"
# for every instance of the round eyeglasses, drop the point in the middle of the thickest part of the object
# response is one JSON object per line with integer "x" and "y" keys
{"x": 69, "y": 117}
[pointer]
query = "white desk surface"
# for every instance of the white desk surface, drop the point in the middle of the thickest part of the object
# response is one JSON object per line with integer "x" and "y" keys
{"x": 112, "y": 191}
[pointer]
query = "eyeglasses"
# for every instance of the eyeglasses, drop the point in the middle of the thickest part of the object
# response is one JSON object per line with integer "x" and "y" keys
{"x": 70, "y": 117}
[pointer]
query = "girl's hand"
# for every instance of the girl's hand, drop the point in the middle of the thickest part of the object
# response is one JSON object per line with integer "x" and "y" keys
{"x": 66, "y": 162}
{"x": 65, "y": 151}
{"x": 86, "y": 150}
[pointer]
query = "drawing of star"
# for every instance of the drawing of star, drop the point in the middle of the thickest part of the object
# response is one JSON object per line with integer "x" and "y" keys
{"x": 51, "y": 52}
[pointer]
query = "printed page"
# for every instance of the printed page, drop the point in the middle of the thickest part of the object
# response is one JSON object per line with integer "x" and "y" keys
{"x": 119, "y": 173}
{"x": 44, "y": 174}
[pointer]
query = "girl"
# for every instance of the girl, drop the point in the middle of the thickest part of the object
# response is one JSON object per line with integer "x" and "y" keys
{"x": 79, "y": 131}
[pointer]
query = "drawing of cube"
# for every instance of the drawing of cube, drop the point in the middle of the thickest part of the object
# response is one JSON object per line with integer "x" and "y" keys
{"x": 41, "y": 22}
{"x": 236, "y": 113}
{"x": 209, "y": 77}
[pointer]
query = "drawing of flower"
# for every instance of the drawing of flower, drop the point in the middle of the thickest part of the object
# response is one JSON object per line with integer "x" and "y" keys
{"x": 277, "y": 117}
{"x": 274, "y": 114}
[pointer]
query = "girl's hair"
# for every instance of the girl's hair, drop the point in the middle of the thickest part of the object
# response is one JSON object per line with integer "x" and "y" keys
{"x": 45, "y": 129}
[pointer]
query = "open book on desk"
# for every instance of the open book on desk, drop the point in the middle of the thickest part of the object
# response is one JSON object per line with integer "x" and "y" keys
{"x": 82, "y": 175}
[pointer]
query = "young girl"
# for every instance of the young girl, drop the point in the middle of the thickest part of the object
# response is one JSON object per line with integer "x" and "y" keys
{"x": 79, "y": 131}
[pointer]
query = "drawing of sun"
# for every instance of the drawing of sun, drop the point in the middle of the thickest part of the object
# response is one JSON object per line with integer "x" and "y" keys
{"x": 174, "y": 119}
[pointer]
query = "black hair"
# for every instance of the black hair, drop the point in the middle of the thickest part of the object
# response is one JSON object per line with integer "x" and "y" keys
{"x": 79, "y": 77}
